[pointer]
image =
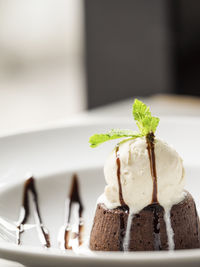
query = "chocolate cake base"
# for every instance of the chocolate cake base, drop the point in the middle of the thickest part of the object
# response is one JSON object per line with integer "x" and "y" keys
{"x": 147, "y": 228}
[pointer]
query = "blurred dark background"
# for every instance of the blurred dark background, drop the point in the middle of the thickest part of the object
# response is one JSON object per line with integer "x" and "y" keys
{"x": 140, "y": 48}
{"x": 60, "y": 58}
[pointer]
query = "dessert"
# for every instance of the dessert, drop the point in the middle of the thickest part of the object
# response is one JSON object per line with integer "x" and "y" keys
{"x": 144, "y": 205}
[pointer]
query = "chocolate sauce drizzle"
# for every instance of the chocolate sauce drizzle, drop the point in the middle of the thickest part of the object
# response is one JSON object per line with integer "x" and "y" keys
{"x": 121, "y": 199}
{"x": 74, "y": 198}
{"x": 124, "y": 207}
{"x": 150, "y": 138}
{"x": 156, "y": 228}
{"x": 29, "y": 185}
{"x": 150, "y": 147}
{"x": 123, "y": 229}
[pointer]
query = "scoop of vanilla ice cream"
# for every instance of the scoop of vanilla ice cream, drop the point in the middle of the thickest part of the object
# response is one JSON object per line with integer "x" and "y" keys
{"x": 136, "y": 179}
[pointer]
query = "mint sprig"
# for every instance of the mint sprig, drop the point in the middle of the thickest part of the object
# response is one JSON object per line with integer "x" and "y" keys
{"x": 144, "y": 120}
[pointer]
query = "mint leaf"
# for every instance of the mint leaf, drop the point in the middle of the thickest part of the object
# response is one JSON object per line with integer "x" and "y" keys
{"x": 140, "y": 110}
{"x": 98, "y": 139}
{"x": 122, "y": 133}
{"x": 144, "y": 120}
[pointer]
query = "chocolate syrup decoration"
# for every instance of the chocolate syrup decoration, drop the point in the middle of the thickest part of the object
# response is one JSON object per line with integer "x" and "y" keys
{"x": 156, "y": 224}
{"x": 123, "y": 227}
{"x": 74, "y": 198}
{"x": 29, "y": 185}
{"x": 124, "y": 207}
{"x": 121, "y": 199}
{"x": 156, "y": 228}
{"x": 122, "y": 233}
{"x": 150, "y": 147}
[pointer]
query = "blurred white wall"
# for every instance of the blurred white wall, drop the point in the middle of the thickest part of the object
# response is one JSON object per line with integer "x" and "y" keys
{"x": 42, "y": 76}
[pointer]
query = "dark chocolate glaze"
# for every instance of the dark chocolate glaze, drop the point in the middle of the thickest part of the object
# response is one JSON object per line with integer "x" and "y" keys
{"x": 74, "y": 197}
{"x": 29, "y": 185}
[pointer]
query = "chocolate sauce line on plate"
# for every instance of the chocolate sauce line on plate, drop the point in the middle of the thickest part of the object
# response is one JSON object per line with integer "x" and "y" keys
{"x": 150, "y": 138}
{"x": 29, "y": 185}
{"x": 74, "y": 197}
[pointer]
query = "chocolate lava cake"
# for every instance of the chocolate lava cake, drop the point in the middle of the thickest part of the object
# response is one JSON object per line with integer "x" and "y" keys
{"x": 148, "y": 228}
{"x": 144, "y": 206}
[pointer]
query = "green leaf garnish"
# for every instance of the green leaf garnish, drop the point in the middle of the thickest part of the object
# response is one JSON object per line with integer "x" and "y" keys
{"x": 142, "y": 115}
{"x": 97, "y": 139}
{"x": 144, "y": 120}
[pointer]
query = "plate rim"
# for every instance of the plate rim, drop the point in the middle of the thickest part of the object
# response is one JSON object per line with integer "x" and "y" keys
{"x": 94, "y": 120}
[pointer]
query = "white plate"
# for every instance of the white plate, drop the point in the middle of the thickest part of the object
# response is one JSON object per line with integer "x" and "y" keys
{"x": 53, "y": 155}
